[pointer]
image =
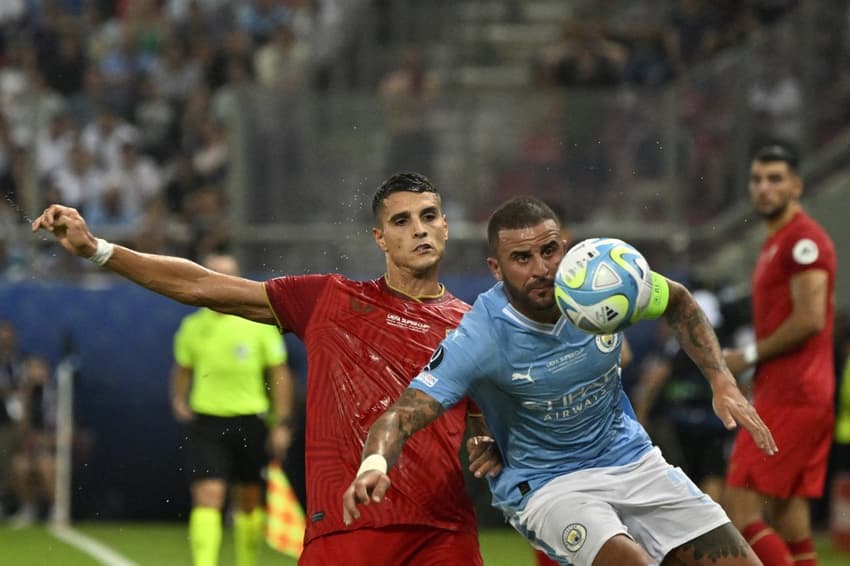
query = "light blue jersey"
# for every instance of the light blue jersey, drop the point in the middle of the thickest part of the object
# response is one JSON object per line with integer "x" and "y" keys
{"x": 551, "y": 395}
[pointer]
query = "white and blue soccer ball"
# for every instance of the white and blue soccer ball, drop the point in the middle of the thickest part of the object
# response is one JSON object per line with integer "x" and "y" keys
{"x": 603, "y": 285}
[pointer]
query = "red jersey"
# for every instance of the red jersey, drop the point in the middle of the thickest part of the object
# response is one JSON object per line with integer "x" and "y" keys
{"x": 365, "y": 343}
{"x": 805, "y": 376}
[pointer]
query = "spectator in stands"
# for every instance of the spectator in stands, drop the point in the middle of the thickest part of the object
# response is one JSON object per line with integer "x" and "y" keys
{"x": 282, "y": 62}
{"x": 174, "y": 73}
{"x": 776, "y": 96}
{"x": 79, "y": 181}
{"x": 584, "y": 56}
{"x": 156, "y": 118}
{"x": 692, "y": 33}
{"x": 34, "y": 465}
{"x": 53, "y": 143}
{"x": 409, "y": 92}
{"x": 104, "y": 136}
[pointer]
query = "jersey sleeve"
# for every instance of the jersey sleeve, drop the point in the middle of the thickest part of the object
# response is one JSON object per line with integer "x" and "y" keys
{"x": 292, "y": 299}
{"x": 806, "y": 251}
{"x": 182, "y": 345}
{"x": 458, "y": 362}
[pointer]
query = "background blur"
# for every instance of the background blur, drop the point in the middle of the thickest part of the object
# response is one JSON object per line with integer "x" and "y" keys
{"x": 262, "y": 127}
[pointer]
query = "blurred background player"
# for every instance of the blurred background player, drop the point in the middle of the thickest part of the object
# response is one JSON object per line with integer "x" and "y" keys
{"x": 365, "y": 341}
{"x": 11, "y": 368}
{"x": 673, "y": 401}
{"x": 34, "y": 463}
{"x": 793, "y": 293}
{"x": 230, "y": 381}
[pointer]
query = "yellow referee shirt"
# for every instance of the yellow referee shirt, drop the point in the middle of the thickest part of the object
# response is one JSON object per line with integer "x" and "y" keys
{"x": 228, "y": 355}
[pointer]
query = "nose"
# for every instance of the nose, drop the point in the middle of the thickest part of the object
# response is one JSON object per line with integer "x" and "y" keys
{"x": 539, "y": 266}
{"x": 419, "y": 230}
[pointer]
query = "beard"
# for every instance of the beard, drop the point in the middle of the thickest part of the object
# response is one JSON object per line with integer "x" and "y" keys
{"x": 773, "y": 213}
{"x": 522, "y": 300}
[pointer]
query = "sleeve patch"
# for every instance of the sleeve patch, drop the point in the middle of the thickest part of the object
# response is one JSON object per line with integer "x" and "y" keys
{"x": 427, "y": 379}
{"x": 805, "y": 252}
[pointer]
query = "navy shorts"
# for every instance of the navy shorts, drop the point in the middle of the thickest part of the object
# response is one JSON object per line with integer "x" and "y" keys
{"x": 228, "y": 448}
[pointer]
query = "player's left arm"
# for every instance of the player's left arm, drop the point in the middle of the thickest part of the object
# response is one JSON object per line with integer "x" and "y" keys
{"x": 698, "y": 339}
{"x": 485, "y": 459}
{"x": 282, "y": 392}
{"x": 810, "y": 302}
{"x": 413, "y": 411}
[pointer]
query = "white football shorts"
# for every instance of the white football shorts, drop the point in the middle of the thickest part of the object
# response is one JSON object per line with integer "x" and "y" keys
{"x": 654, "y": 503}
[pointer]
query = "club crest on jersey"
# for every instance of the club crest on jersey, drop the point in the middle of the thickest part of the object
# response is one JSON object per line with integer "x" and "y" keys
{"x": 805, "y": 251}
{"x": 436, "y": 359}
{"x": 574, "y": 537}
{"x": 607, "y": 342}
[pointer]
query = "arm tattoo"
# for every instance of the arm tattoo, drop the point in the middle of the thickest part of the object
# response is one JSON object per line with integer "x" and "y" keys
{"x": 695, "y": 333}
{"x": 413, "y": 411}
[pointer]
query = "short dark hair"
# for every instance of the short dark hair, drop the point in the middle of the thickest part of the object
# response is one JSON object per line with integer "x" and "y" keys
{"x": 778, "y": 152}
{"x": 517, "y": 212}
{"x": 400, "y": 182}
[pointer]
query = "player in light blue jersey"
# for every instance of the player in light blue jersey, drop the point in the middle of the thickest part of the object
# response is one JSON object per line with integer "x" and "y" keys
{"x": 581, "y": 479}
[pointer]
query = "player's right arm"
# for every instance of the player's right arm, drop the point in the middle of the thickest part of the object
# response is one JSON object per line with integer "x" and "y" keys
{"x": 181, "y": 382}
{"x": 177, "y": 278}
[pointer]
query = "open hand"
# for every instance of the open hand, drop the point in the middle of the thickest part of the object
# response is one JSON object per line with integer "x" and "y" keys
{"x": 371, "y": 485}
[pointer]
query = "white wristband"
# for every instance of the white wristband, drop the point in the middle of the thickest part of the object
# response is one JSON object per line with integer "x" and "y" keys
{"x": 373, "y": 462}
{"x": 751, "y": 354}
{"x": 102, "y": 253}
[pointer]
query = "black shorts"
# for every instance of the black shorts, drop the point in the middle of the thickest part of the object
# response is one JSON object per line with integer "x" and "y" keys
{"x": 228, "y": 448}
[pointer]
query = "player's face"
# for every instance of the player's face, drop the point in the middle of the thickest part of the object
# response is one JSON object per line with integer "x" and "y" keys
{"x": 526, "y": 263}
{"x": 773, "y": 187}
{"x": 413, "y": 230}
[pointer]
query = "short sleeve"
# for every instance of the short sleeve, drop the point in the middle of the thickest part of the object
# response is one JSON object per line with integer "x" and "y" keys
{"x": 292, "y": 299}
{"x": 182, "y": 345}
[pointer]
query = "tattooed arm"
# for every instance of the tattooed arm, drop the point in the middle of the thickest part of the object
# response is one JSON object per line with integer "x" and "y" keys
{"x": 413, "y": 411}
{"x": 698, "y": 340}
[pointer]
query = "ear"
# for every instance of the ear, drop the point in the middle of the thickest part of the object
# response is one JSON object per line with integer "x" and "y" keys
{"x": 798, "y": 186}
{"x": 495, "y": 269}
{"x": 445, "y": 228}
{"x": 378, "y": 236}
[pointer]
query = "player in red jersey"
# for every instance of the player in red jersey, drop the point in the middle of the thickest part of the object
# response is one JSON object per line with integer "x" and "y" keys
{"x": 365, "y": 341}
{"x": 793, "y": 315}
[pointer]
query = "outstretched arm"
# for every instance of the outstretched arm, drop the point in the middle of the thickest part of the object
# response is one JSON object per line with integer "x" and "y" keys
{"x": 173, "y": 277}
{"x": 413, "y": 411}
{"x": 699, "y": 341}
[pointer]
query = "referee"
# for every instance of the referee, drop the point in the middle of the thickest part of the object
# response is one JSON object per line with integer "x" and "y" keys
{"x": 229, "y": 383}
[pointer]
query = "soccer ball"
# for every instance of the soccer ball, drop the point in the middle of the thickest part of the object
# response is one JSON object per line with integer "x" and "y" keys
{"x": 603, "y": 285}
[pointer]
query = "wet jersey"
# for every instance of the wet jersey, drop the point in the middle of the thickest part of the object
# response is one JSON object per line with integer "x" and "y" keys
{"x": 365, "y": 343}
{"x": 551, "y": 395}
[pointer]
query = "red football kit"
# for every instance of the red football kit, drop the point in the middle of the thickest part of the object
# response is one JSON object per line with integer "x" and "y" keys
{"x": 365, "y": 342}
{"x": 793, "y": 392}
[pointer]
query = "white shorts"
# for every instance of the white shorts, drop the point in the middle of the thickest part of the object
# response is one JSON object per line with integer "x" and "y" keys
{"x": 654, "y": 503}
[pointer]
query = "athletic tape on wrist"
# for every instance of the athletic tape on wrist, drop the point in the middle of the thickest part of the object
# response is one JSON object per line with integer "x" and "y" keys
{"x": 751, "y": 354}
{"x": 102, "y": 253}
{"x": 373, "y": 462}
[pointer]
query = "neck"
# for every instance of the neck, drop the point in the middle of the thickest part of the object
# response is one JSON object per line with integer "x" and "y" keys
{"x": 427, "y": 287}
{"x": 774, "y": 224}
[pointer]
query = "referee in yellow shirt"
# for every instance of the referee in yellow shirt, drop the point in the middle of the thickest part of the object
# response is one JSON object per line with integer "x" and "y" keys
{"x": 232, "y": 388}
